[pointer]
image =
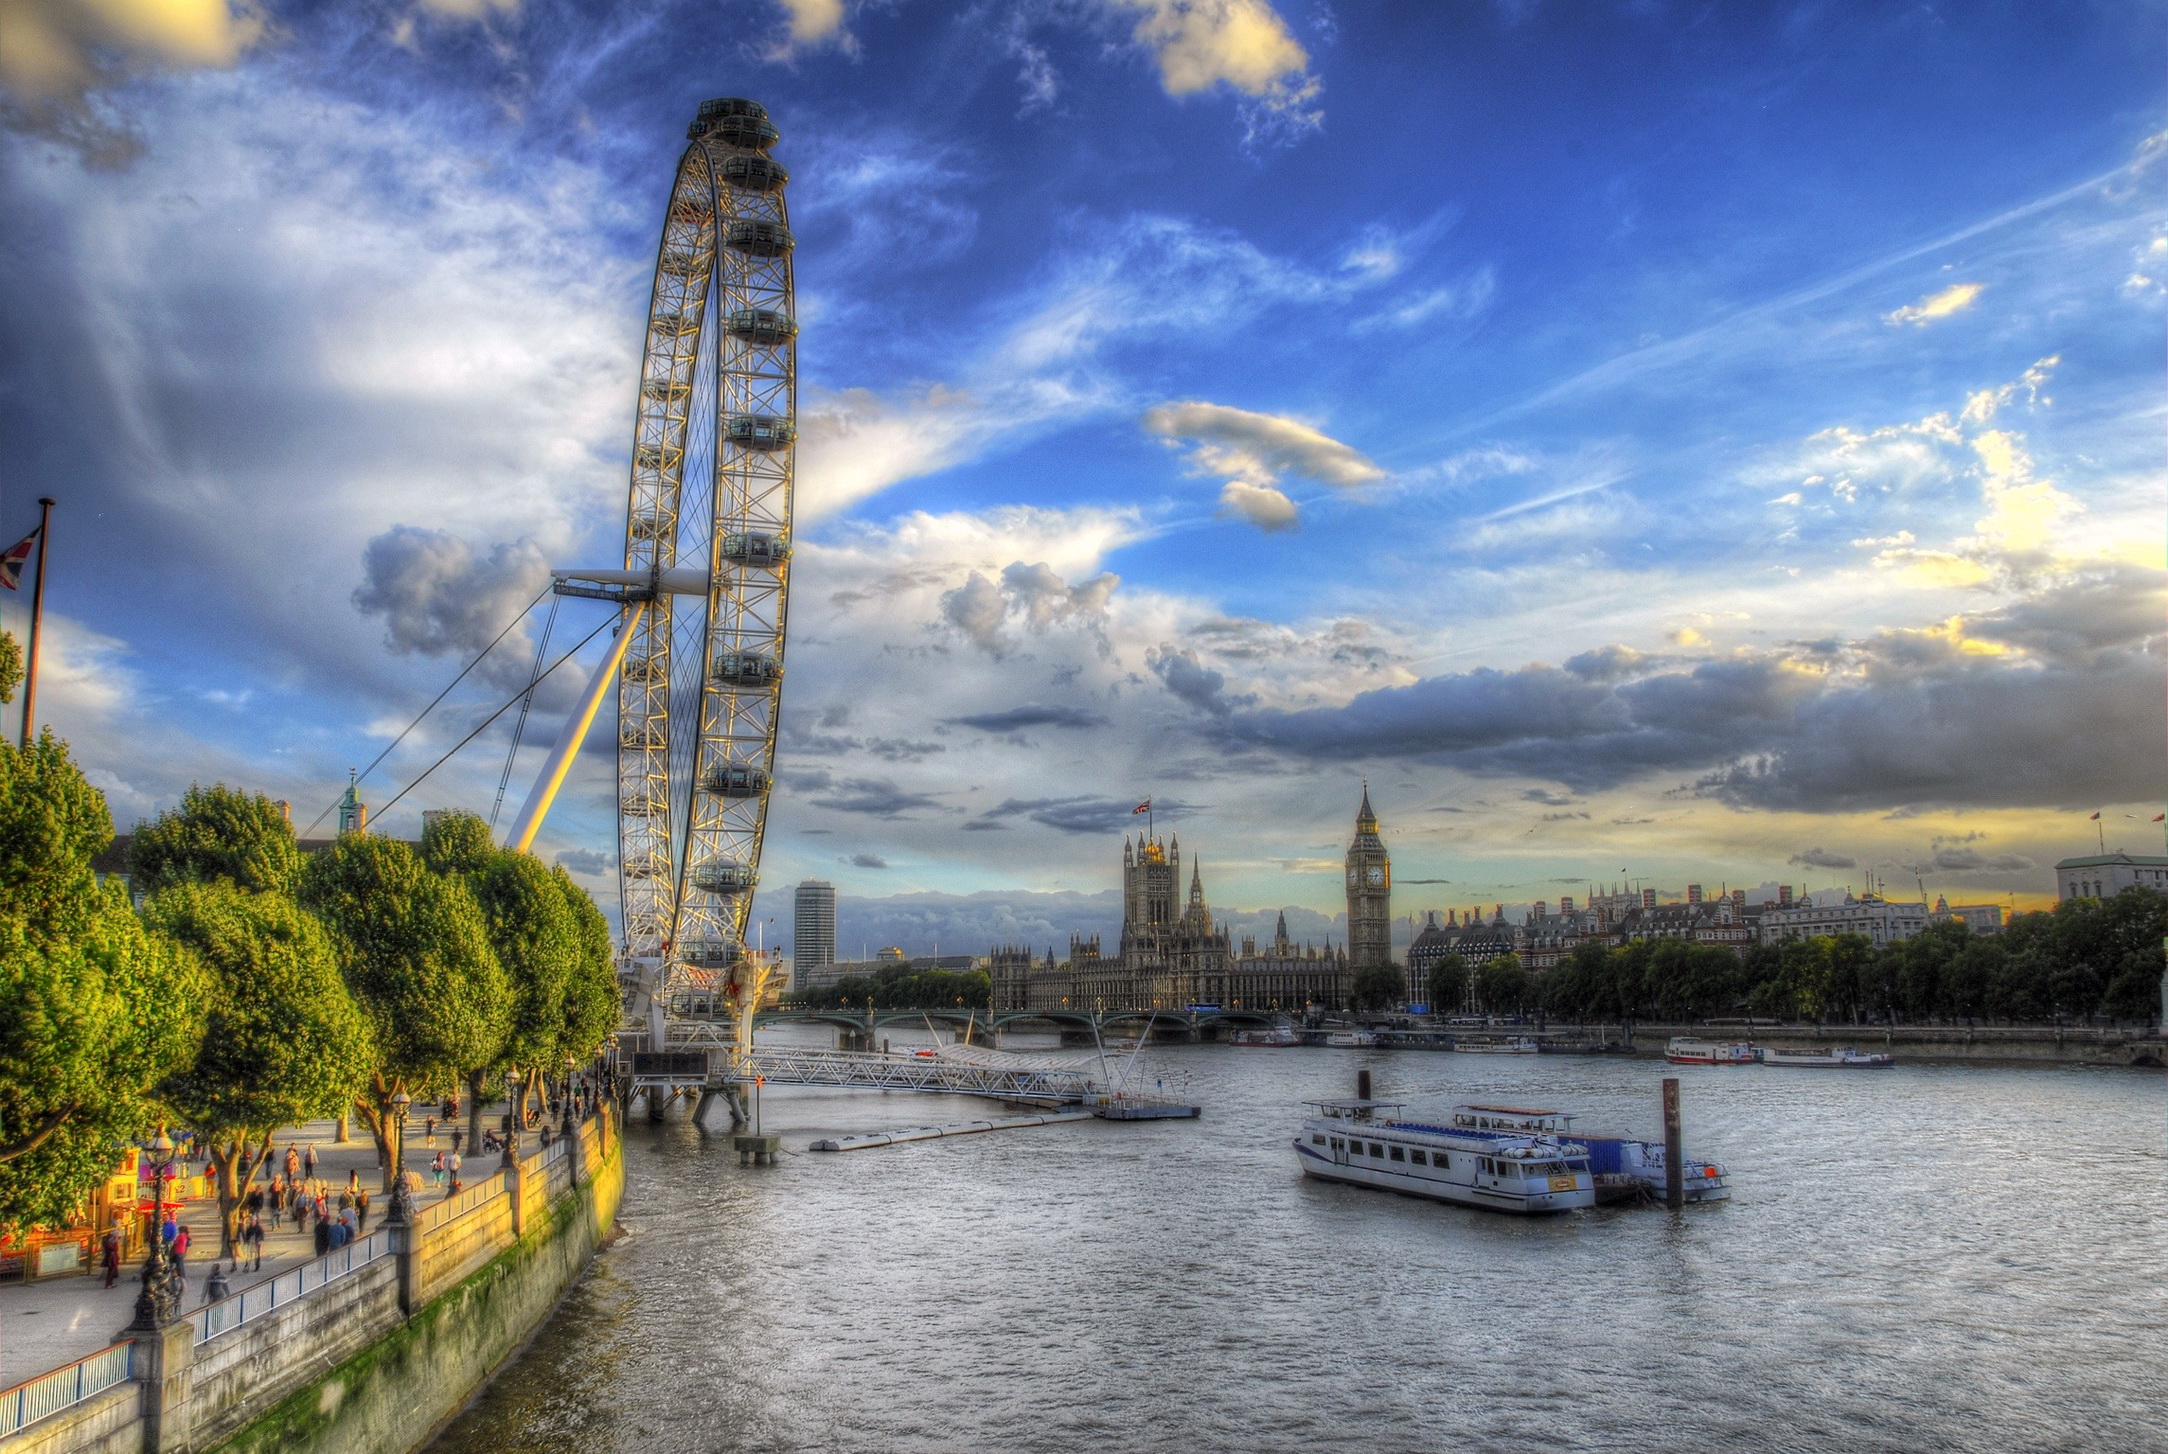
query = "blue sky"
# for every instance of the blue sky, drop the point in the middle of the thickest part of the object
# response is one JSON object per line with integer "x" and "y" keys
{"x": 1710, "y": 443}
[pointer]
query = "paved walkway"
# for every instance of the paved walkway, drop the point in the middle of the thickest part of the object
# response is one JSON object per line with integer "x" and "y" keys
{"x": 46, "y": 1324}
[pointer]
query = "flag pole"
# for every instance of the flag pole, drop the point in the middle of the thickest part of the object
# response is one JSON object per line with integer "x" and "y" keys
{"x": 37, "y": 617}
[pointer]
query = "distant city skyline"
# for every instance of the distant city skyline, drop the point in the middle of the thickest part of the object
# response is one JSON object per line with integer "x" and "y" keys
{"x": 1641, "y": 444}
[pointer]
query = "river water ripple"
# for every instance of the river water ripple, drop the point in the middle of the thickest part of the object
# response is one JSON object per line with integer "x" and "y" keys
{"x": 1933, "y": 1258}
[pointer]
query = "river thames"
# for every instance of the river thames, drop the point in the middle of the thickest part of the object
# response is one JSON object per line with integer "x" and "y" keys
{"x": 1928, "y": 1258}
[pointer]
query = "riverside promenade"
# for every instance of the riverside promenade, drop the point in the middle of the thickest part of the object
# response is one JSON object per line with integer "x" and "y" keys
{"x": 368, "y": 1348}
{"x": 57, "y": 1320}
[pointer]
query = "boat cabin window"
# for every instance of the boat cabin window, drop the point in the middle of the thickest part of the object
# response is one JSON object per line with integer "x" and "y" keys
{"x": 1376, "y": 1149}
{"x": 1316, "y": 1140}
{"x": 1338, "y": 1144}
{"x": 1399, "y": 1155}
{"x": 1420, "y": 1158}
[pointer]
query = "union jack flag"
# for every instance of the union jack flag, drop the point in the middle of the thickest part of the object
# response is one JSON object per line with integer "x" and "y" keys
{"x": 1143, "y": 807}
{"x": 11, "y": 564}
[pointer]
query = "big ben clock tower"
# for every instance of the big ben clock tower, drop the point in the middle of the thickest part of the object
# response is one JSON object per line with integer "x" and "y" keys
{"x": 1369, "y": 893}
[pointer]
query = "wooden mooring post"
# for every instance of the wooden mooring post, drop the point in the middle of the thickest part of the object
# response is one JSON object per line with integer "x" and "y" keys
{"x": 1674, "y": 1148}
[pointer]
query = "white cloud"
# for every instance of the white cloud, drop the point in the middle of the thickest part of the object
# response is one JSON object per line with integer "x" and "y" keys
{"x": 1255, "y": 450}
{"x": 813, "y": 20}
{"x": 1954, "y": 299}
{"x": 1244, "y": 45}
{"x": 1261, "y": 505}
{"x": 55, "y": 50}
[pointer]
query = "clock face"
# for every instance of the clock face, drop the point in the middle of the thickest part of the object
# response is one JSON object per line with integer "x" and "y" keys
{"x": 1377, "y": 877}
{"x": 1351, "y": 875}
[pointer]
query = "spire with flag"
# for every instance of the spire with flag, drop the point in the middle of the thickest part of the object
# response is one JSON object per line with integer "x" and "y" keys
{"x": 11, "y": 578}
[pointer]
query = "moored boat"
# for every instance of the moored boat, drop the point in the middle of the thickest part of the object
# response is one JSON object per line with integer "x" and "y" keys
{"x": 1495, "y": 1045}
{"x": 1516, "y": 1171}
{"x": 1686, "y": 1050}
{"x": 1352, "y": 1039}
{"x": 1843, "y": 1057}
{"x": 1624, "y": 1168}
{"x": 1278, "y": 1036}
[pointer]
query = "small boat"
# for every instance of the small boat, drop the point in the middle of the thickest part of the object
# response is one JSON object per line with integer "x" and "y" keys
{"x": 1624, "y": 1167}
{"x": 1279, "y": 1036}
{"x": 1352, "y": 1039}
{"x": 1495, "y": 1045}
{"x": 1520, "y": 1172}
{"x": 1686, "y": 1050}
{"x": 1844, "y": 1057}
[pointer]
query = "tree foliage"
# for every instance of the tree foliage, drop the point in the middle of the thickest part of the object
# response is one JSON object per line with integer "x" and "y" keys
{"x": 1377, "y": 988}
{"x": 1502, "y": 986}
{"x": 11, "y": 666}
{"x": 414, "y": 950}
{"x": 217, "y": 834}
{"x": 1448, "y": 984}
{"x": 94, "y": 1010}
{"x": 2086, "y": 957}
{"x": 593, "y": 1000}
{"x": 283, "y": 1041}
{"x": 900, "y": 987}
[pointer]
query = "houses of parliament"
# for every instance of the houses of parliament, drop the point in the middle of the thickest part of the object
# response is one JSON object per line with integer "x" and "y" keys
{"x": 1173, "y": 956}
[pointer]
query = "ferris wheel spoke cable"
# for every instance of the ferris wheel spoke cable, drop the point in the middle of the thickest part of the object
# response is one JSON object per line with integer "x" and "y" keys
{"x": 363, "y": 775}
{"x": 509, "y": 702}
{"x": 526, "y": 701}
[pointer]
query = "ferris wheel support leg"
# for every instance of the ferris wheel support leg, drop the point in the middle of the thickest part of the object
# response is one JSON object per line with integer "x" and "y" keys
{"x": 561, "y": 756}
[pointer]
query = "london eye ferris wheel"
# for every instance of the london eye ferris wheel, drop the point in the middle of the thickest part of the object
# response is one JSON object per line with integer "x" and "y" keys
{"x": 707, "y": 528}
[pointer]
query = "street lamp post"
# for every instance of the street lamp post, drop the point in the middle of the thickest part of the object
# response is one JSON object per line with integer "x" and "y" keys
{"x": 160, "y": 1300}
{"x": 402, "y": 1197}
{"x": 565, "y": 1100}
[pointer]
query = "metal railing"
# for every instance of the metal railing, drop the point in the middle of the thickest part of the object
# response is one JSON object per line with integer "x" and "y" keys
{"x": 64, "y": 1387}
{"x": 453, "y": 1208}
{"x": 229, "y": 1313}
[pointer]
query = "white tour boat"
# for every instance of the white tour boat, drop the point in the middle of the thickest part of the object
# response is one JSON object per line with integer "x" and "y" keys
{"x": 1844, "y": 1057}
{"x": 1686, "y": 1050}
{"x": 1625, "y": 1168}
{"x": 1352, "y": 1039}
{"x": 1280, "y": 1036}
{"x": 1358, "y": 1141}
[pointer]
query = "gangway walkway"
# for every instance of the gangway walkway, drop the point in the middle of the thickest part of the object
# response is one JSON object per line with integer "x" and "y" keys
{"x": 784, "y": 1065}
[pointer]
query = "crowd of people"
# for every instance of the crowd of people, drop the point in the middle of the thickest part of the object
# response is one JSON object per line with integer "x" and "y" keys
{"x": 332, "y": 1216}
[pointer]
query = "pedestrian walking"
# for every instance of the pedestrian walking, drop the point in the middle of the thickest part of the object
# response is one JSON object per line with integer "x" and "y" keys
{"x": 181, "y": 1239}
{"x": 323, "y": 1236}
{"x": 361, "y": 1210}
{"x": 293, "y": 1163}
{"x": 110, "y": 1255}
{"x": 458, "y": 1133}
{"x": 436, "y": 1170}
{"x": 252, "y": 1239}
{"x": 453, "y": 1166}
{"x": 255, "y": 1201}
{"x": 215, "y": 1286}
{"x": 308, "y": 1162}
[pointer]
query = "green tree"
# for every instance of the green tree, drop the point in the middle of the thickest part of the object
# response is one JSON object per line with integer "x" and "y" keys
{"x": 594, "y": 1001}
{"x": 901, "y": 987}
{"x": 458, "y": 843}
{"x": 1377, "y": 988}
{"x": 1502, "y": 985}
{"x": 283, "y": 1041}
{"x": 94, "y": 1010}
{"x": 217, "y": 833}
{"x": 537, "y": 938}
{"x": 11, "y": 666}
{"x": 1448, "y": 984}
{"x": 414, "y": 950}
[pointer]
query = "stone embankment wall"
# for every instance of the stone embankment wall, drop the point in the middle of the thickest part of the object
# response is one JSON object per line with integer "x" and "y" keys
{"x": 375, "y": 1361}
